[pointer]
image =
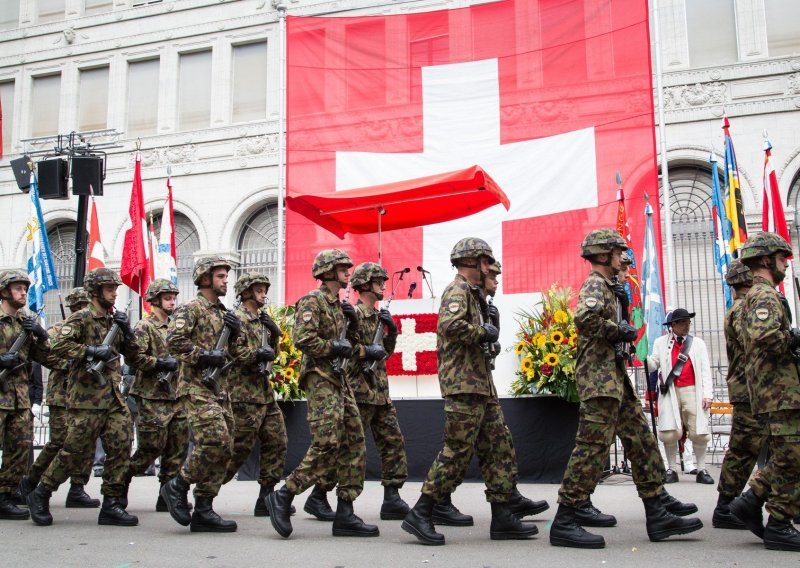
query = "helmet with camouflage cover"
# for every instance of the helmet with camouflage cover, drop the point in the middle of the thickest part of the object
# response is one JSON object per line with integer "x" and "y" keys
{"x": 206, "y": 265}
{"x": 365, "y": 272}
{"x": 626, "y": 259}
{"x": 471, "y": 247}
{"x": 9, "y": 277}
{"x": 495, "y": 267}
{"x": 99, "y": 277}
{"x": 602, "y": 241}
{"x": 160, "y": 286}
{"x": 326, "y": 260}
{"x": 76, "y": 297}
{"x": 765, "y": 244}
{"x": 738, "y": 274}
{"x": 250, "y": 279}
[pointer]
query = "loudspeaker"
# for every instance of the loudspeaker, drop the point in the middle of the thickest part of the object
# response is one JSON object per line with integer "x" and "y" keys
{"x": 53, "y": 179}
{"x": 22, "y": 172}
{"x": 86, "y": 171}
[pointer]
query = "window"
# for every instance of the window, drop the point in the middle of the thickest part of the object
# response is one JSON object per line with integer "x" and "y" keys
{"x": 142, "y": 97}
{"x": 9, "y": 14}
{"x": 186, "y": 243}
{"x": 7, "y": 112}
{"x": 44, "y": 105}
{"x": 258, "y": 244}
{"x": 711, "y": 26}
{"x": 249, "y": 82}
{"x": 783, "y": 37}
{"x": 97, "y": 6}
{"x": 62, "y": 247}
{"x": 194, "y": 90}
{"x": 93, "y": 99}
{"x": 50, "y": 10}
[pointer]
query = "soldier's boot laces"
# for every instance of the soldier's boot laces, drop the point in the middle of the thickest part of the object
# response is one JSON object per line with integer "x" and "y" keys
{"x": 347, "y": 523}
{"x": 565, "y": 531}
{"x": 419, "y": 523}
{"x": 317, "y": 505}
{"x": 205, "y": 519}
{"x": 113, "y": 513}
{"x": 393, "y": 507}
{"x": 662, "y": 524}
{"x": 445, "y": 513}
{"x": 39, "y": 506}
{"x": 279, "y": 504}
{"x": 521, "y": 506}
{"x": 748, "y": 509}
{"x": 781, "y": 535}
{"x": 723, "y": 518}
{"x": 587, "y": 515}
{"x": 161, "y": 505}
{"x": 675, "y": 507}
{"x": 506, "y": 526}
{"x": 77, "y": 498}
{"x": 174, "y": 493}
{"x": 9, "y": 510}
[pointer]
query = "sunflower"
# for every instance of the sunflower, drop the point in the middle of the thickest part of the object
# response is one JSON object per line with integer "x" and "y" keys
{"x": 551, "y": 359}
{"x": 572, "y": 340}
{"x": 526, "y": 364}
{"x": 520, "y": 347}
{"x": 556, "y": 337}
{"x": 560, "y": 316}
{"x": 289, "y": 373}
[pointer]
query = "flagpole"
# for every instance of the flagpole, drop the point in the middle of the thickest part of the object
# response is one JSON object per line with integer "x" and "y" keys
{"x": 669, "y": 269}
{"x": 280, "y": 6}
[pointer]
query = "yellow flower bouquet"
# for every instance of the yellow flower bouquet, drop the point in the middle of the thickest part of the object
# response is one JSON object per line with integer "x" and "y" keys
{"x": 546, "y": 347}
{"x": 286, "y": 367}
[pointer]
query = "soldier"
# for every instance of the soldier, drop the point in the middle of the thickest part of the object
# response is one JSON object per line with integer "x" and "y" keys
{"x": 474, "y": 422}
{"x": 609, "y": 406}
{"x": 369, "y": 382}
{"x": 325, "y": 331}
{"x": 773, "y": 383}
{"x": 57, "y": 386}
{"x": 193, "y": 338}
{"x": 162, "y": 429}
{"x": 16, "y": 420}
{"x": 256, "y": 413}
{"x": 95, "y": 405}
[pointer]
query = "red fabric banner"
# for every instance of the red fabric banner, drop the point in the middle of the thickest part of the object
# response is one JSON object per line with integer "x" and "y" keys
{"x": 134, "y": 270}
{"x": 97, "y": 257}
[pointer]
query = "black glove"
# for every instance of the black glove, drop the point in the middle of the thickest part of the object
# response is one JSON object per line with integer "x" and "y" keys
{"x": 386, "y": 319}
{"x": 270, "y": 324}
{"x": 341, "y": 348}
{"x": 32, "y": 326}
{"x": 213, "y": 358}
{"x": 350, "y": 314}
{"x": 167, "y": 364}
{"x": 121, "y": 319}
{"x": 9, "y": 360}
{"x": 493, "y": 315}
{"x": 492, "y": 333}
{"x": 265, "y": 354}
{"x": 374, "y": 352}
{"x": 627, "y": 332}
{"x": 794, "y": 338}
{"x": 497, "y": 347}
{"x": 98, "y": 353}
{"x": 233, "y": 323}
{"x": 622, "y": 295}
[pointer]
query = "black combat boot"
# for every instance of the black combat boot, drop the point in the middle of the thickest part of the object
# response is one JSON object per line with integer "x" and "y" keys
{"x": 260, "y": 509}
{"x": 723, "y": 518}
{"x": 174, "y": 493}
{"x": 347, "y": 523}
{"x": 17, "y": 498}
{"x": 279, "y": 504}
{"x": 587, "y": 515}
{"x": 9, "y": 510}
{"x": 781, "y": 535}
{"x": 393, "y": 508}
{"x": 317, "y": 505}
{"x": 39, "y": 506}
{"x": 445, "y": 513}
{"x": 565, "y": 531}
{"x": 662, "y": 524}
{"x": 748, "y": 509}
{"x": 506, "y": 526}
{"x": 77, "y": 498}
{"x": 521, "y": 506}
{"x": 418, "y": 522}
{"x": 161, "y": 505}
{"x": 205, "y": 519}
{"x": 113, "y": 513}
{"x": 675, "y": 507}
{"x": 26, "y": 486}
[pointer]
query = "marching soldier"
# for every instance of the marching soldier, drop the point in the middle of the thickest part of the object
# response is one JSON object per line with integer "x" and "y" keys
{"x": 474, "y": 422}
{"x": 609, "y": 407}
{"x": 57, "y": 384}
{"x": 16, "y": 420}
{"x": 161, "y": 428}
{"x": 773, "y": 383}
{"x": 193, "y": 338}
{"x": 96, "y": 407}
{"x": 256, "y": 413}
{"x": 326, "y": 331}
{"x": 367, "y": 377}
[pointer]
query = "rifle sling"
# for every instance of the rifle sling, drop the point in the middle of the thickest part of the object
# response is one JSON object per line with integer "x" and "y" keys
{"x": 677, "y": 369}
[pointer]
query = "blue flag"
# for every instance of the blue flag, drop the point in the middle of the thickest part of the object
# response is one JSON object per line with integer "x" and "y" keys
{"x": 652, "y": 299}
{"x": 41, "y": 270}
{"x": 722, "y": 231}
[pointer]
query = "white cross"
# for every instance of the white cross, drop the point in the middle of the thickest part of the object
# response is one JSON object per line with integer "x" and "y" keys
{"x": 409, "y": 343}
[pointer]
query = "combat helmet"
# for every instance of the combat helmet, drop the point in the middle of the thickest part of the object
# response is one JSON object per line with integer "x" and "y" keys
{"x": 602, "y": 241}
{"x": 160, "y": 286}
{"x": 77, "y": 297}
{"x": 326, "y": 260}
{"x": 250, "y": 279}
{"x": 365, "y": 272}
{"x": 495, "y": 267}
{"x": 206, "y": 265}
{"x": 765, "y": 244}
{"x": 738, "y": 274}
{"x": 98, "y": 277}
{"x": 626, "y": 258}
{"x": 471, "y": 247}
{"x": 9, "y": 277}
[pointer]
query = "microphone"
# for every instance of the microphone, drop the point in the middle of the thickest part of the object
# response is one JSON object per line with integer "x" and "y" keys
{"x": 420, "y": 269}
{"x": 425, "y": 275}
{"x": 411, "y": 288}
{"x": 405, "y": 270}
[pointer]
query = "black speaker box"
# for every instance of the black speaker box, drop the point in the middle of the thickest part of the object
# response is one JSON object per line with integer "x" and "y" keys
{"x": 86, "y": 171}
{"x": 53, "y": 179}
{"x": 22, "y": 172}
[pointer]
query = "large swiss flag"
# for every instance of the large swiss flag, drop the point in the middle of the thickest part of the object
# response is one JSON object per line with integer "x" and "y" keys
{"x": 551, "y": 97}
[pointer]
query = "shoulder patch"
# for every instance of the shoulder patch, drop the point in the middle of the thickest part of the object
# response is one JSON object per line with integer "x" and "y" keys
{"x": 762, "y": 313}
{"x": 591, "y": 302}
{"x": 66, "y": 329}
{"x": 307, "y": 315}
{"x": 453, "y": 307}
{"x": 180, "y": 323}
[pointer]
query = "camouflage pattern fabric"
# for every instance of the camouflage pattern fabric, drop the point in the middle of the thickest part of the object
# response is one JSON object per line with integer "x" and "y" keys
{"x": 211, "y": 424}
{"x": 58, "y": 379}
{"x": 779, "y": 480}
{"x": 246, "y": 384}
{"x": 58, "y": 426}
{"x": 162, "y": 430}
{"x": 382, "y": 420}
{"x": 150, "y": 335}
{"x": 265, "y": 423}
{"x": 748, "y": 436}
{"x": 736, "y": 378}
{"x": 14, "y": 394}
{"x": 370, "y": 387}
{"x": 16, "y": 433}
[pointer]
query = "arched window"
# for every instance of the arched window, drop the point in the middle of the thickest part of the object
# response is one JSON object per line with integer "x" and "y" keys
{"x": 187, "y": 242}
{"x": 258, "y": 243}
{"x": 62, "y": 247}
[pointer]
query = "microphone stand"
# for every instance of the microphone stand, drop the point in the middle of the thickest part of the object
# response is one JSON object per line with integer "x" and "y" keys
{"x": 427, "y": 281}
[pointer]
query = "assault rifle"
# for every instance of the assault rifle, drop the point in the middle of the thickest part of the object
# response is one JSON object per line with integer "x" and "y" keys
{"x": 18, "y": 344}
{"x": 339, "y": 362}
{"x": 210, "y": 374}
{"x": 96, "y": 367}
